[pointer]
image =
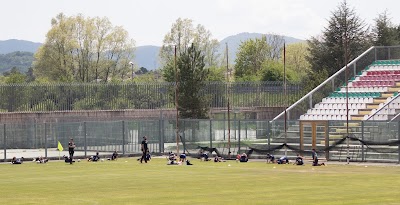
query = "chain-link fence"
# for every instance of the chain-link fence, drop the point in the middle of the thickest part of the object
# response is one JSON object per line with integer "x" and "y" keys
{"x": 374, "y": 139}
{"x": 110, "y": 96}
{"x": 31, "y": 140}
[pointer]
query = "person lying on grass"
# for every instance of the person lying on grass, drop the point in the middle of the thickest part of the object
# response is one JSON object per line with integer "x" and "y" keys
{"x": 67, "y": 159}
{"x": 41, "y": 160}
{"x": 15, "y": 160}
{"x": 283, "y": 160}
{"x": 218, "y": 159}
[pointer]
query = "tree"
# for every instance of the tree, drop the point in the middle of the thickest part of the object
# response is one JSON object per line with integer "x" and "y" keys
{"x": 296, "y": 59}
{"x": 79, "y": 49}
{"x": 14, "y": 76}
{"x": 19, "y": 59}
{"x": 253, "y": 53}
{"x": 216, "y": 74}
{"x": 345, "y": 30}
{"x": 142, "y": 70}
{"x": 182, "y": 35}
{"x": 250, "y": 56}
{"x": 13, "y": 96}
{"x": 384, "y": 33}
{"x": 192, "y": 75}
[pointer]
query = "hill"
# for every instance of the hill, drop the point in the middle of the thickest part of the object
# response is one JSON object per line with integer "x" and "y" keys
{"x": 21, "y": 60}
{"x": 145, "y": 56}
{"x": 12, "y": 45}
{"x": 235, "y": 41}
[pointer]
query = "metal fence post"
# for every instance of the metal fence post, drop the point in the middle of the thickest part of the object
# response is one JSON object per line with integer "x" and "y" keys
{"x": 245, "y": 129}
{"x": 398, "y": 137}
{"x": 160, "y": 136}
{"x": 362, "y": 145}
{"x": 123, "y": 137}
{"x": 34, "y": 135}
{"x": 210, "y": 133}
{"x": 84, "y": 138}
{"x": 139, "y": 133}
{"x": 239, "y": 137}
{"x": 224, "y": 125}
{"x": 45, "y": 140}
{"x": 5, "y": 142}
{"x": 269, "y": 138}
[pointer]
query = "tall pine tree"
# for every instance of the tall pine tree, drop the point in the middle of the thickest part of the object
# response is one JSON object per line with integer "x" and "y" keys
{"x": 192, "y": 76}
{"x": 327, "y": 52}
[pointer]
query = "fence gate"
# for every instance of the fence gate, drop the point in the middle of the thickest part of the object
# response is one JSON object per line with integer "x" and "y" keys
{"x": 314, "y": 133}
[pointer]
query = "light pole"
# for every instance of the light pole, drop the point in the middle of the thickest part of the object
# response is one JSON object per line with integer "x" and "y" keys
{"x": 131, "y": 63}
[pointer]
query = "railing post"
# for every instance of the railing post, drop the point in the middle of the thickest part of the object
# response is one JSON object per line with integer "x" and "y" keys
{"x": 362, "y": 145}
{"x": 333, "y": 84}
{"x": 5, "y": 142}
{"x": 375, "y": 54}
{"x": 45, "y": 140}
{"x": 85, "y": 138}
{"x": 123, "y": 137}
{"x": 310, "y": 101}
{"x": 388, "y": 53}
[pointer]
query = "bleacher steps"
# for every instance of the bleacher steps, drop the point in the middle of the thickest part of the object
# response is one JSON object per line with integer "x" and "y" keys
{"x": 352, "y": 124}
{"x": 380, "y": 100}
{"x": 335, "y": 137}
{"x": 373, "y": 106}
{"x": 394, "y": 89}
{"x": 387, "y": 94}
{"x": 364, "y": 111}
{"x": 357, "y": 117}
{"x": 398, "y": 84}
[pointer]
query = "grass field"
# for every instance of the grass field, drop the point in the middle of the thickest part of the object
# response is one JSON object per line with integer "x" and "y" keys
{"x": 126, "y": 181}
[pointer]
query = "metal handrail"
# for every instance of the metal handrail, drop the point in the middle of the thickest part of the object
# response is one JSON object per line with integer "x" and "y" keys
{"x": 382, "y": 107}
{"x": 394, "y": 117}
{"x": 322, "y": 84}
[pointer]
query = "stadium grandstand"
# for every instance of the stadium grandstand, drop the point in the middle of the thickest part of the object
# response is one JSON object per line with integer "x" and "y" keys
{"x": 352, "y": 115}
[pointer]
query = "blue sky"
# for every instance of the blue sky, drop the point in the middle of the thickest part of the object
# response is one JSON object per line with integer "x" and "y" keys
{"x": 148, "y": 21}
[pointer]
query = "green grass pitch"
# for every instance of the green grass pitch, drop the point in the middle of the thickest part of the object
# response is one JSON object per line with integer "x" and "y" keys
{"x": 126, "y": 181}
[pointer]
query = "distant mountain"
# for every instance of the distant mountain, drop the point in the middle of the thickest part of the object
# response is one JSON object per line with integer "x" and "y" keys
{"x": 145, "y": 56}
{"x": 19, "y": 59}
{"x": 12, "y": 45}
{"x": 235, "y": 41}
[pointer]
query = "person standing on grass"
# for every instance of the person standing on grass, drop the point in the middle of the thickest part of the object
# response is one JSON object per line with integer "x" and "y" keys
{"x": 71, "y": 147}
{"x": 144, "y": 150}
